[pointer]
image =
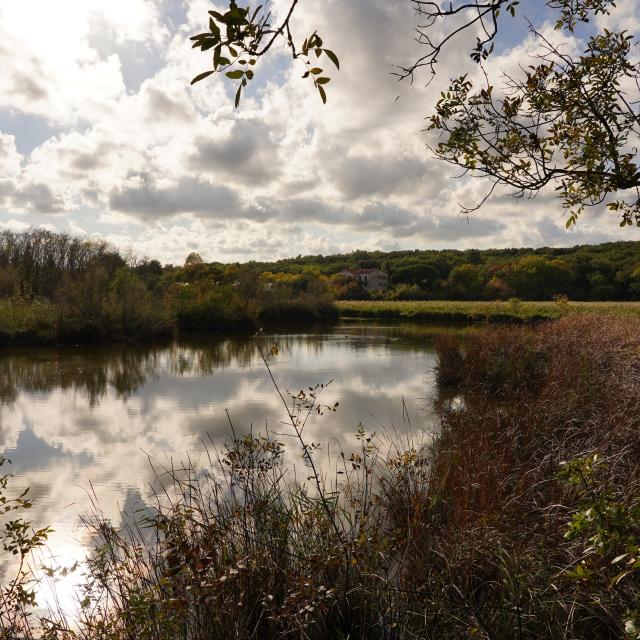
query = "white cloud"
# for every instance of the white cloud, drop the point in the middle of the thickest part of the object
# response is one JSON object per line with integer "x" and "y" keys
{"x": 253, "y": 182}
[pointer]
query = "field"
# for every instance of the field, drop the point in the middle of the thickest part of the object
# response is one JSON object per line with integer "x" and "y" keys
{"x": 512, "y": 311}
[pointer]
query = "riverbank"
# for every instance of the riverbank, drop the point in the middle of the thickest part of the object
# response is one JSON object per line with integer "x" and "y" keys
{"x": 45, "y": 323}
{"x": 510, "y": 312}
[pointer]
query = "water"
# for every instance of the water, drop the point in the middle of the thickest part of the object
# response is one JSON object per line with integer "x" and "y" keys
{"x": 81, "y": 425}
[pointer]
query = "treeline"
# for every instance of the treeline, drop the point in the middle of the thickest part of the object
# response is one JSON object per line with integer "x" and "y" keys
{"x": 58, "y": 288}
{"x": 55, "y": 288}
{"x": 609, "y": 271}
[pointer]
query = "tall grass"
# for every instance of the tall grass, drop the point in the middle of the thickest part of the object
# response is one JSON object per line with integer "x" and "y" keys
{"x": 521, "y": 519}
{"x": 510, "y": 311}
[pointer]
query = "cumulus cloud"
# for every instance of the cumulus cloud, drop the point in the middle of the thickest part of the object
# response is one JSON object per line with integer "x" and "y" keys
{"x": 37, "y": 198}
{"x": 145, "y": 199}
{"x": 136, "y": 153}
{"x": 247, "y": 154}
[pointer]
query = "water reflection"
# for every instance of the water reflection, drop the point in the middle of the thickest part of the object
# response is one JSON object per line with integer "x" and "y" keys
{"x": 80, "y": 421}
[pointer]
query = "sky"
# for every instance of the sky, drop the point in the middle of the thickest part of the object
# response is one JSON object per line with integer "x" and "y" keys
{"x": 101, "y": 134}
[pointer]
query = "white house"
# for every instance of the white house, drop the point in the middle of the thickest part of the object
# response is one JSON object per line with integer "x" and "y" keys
{"x": 370, "y": 279}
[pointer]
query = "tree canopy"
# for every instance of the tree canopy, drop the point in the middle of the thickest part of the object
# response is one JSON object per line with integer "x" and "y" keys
{"x": 569, "y": 122}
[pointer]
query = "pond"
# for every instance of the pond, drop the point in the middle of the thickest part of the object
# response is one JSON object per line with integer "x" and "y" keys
{"x": 84, "y": 426}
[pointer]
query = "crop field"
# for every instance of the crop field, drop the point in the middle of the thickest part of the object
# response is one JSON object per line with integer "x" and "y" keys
{"x": 509, "y": 311}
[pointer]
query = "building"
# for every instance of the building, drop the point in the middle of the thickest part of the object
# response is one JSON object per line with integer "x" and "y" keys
{"x": 370, "y": 279}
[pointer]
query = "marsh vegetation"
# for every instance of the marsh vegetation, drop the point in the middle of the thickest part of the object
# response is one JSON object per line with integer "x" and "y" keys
{"x": 519, "y": 519}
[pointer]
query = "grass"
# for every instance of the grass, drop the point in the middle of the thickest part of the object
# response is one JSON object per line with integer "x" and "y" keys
{"x": 27, "y": 322}
{"x": 520, "y": 520}
{"x": 510, "y": 311}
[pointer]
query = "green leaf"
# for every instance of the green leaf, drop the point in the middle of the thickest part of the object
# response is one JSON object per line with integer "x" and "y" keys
{"x": 234, "y": 75}
{"x": 323, "y": 80}
{"x": 202, "y": 76}
{"x": 238, "y": 92}
{"x": 232, "y": 51}
{"x": 333, "y": 57}
{"x": 315, "y": 71}
{"x": 250, "y": 74}
{"x": 323, "y": 94}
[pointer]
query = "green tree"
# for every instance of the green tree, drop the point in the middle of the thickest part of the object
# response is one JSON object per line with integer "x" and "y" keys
{"x": 536, "y": 278}
{"x": 568, "y": 122}
{"x": 465, "y": 282}
{"x": 192, "y": 259}
{"x": 414, "y": 272}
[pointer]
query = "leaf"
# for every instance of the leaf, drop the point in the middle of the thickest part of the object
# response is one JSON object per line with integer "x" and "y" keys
{"x": 323, "y": 80}
{"x": 615, "y": 581}
{"x": 234, "y": 75}
{"x": 323, "y": 94}
{"x": 232, "y": 51}
{"x": 250, "y": 74}
{"x": 333, "y": 57}
{"x": 238, "y": 92}
{"x": 202, "y": 76}
{"x": 618, "y": 558}
{"x": 315, "y": 71}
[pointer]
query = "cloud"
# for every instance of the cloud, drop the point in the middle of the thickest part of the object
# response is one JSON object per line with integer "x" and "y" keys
{"x": 37, "y": 198}
{"x": 10, "y": 159}
{"x": 363, "y": 176}
{"x": 147, "y": 200}
{"x": 132, "y": 152}
{"x": 247, "y": 155}
{"x": 162, "y": 107}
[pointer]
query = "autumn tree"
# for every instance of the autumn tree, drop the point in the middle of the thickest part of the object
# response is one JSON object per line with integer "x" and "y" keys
{"x": 567, "y": 122}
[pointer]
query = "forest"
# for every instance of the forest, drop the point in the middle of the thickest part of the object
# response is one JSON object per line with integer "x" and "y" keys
{"x": 609, "y": 271}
